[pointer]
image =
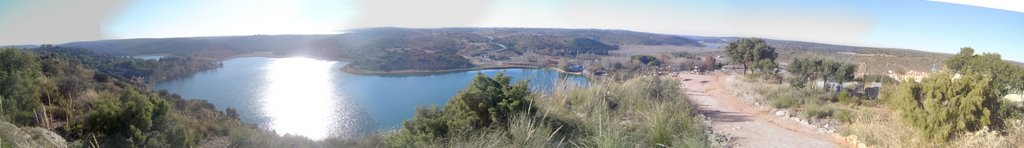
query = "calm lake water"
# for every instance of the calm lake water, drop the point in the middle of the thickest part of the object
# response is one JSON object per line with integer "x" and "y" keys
{"x": 315, "y": 99}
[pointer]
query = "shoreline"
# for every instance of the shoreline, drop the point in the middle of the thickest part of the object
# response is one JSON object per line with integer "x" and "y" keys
{"x": 347, "y": 69}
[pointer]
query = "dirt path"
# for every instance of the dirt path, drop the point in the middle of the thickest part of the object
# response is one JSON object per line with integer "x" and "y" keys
{"x": 749, "y": 126}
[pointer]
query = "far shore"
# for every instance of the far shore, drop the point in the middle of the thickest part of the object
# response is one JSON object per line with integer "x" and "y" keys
{"x": 399, "y": 72}
{"x": 412, "y": 72}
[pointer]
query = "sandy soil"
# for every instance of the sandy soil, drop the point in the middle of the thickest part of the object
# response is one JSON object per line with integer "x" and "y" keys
{"x": 747, "y": 125}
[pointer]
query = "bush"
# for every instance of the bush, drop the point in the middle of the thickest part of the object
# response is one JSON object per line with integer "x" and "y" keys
{"x": 785, "y": 102}
{"x": 941, "y": 106}
{"x": 816, "y": 111}
{"x": 20, "y": 86}
{"x": 487, "y": 102}
{"x": 797, "y": 82}
{"x": 844, "y": 97}
{"x": 844, "y": 116}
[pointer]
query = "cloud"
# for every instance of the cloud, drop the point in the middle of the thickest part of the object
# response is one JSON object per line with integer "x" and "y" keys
{"x": 419, "y": 13}
{"x": 1008, "y": 5}
{"x": 39, "y": 22}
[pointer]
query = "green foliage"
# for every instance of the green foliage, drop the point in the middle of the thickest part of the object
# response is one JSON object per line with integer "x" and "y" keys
{"x": 818, "y": 111}
{"x": 845, "y": 97}
{"x": 119, "y": 113}
{"x": 555, "y": 45}
{"x": 403, "y": 59}
{"x": 426, "y": 125}
{"x": 20, "y": 85}
{"x": 646, "y": 60}
{"x": 231, "y": 113}
{"x": 797, "y": 82}
{"x": 752, "y": 52}
{"x": 683, "y": 54}
{"x": 488, "y": 102}
{"x": 785, "y": 102}
{"x": 827, "y": 70}
{"x": 1007, "y": 77}
{"x": 878, "y": 78}
{"x": 941, "y": 106}
{"x": 126, "y": 67}
{"x": 843, "y": 115}
{"x": 780, "y": 96}
{"x": 134, "y": 119}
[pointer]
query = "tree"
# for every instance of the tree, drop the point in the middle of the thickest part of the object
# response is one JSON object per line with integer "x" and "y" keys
{"x": 827, "y": 70}
{"x": 1007, "y": 76}
{"x": 132, "y": 119}
{"x": 958, "y": 61}
{"x": 487, "y": 102}
{"x": 646, "y": 60}
{"x": 941, "y": 106}
{"x": 231, "y": 113}
{"x": 20, "y": 80}
{"x": 752, "y": 52}
{"x": 709, "y": 64}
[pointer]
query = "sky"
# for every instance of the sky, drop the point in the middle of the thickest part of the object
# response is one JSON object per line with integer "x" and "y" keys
{"x": 938, "y": 26}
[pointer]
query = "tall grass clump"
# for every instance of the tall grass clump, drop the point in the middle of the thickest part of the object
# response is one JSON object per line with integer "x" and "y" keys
{"x": 639, "y": 112}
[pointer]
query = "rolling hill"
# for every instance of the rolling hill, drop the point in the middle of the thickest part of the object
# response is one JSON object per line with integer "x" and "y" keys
{"x": 407, "y": 49}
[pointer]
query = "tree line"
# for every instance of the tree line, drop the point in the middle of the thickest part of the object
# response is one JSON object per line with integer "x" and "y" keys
{"x": 827, "y": 71}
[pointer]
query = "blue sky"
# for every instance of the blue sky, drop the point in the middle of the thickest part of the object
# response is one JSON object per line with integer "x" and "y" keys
{"x": 923, "y": 25}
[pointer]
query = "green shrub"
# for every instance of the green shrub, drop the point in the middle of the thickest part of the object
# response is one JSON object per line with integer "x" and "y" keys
{"x": 797, "y": 82}
{"x": 21, "y": 86}
{"x": 785, "y": 102}
{"x": 843, "y": 115}
{"x": 941, "y": 106}
{"x": 816, "y": 111}
{"x": 844, "y": 97}
{"x": 487, "y": 102}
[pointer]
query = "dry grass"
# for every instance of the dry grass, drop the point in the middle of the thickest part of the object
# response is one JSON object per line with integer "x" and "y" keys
{"x": 880, "y": 127}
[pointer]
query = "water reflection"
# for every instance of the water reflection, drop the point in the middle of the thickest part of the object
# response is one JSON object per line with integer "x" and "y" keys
{"x": 299, "y": 97}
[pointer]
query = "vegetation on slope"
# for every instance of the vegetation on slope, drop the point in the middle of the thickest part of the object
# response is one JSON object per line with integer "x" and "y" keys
{"x": 139, "y": 70}
{"x": 644, "y": 111}
{"x": 89, "y": 108}
{"x": 410, "y": 59}
{"x": 391, "y": 49}
{"x": 555, "y": 45}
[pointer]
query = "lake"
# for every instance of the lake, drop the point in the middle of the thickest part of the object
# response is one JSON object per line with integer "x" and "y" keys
{"x": 314, "y": 98}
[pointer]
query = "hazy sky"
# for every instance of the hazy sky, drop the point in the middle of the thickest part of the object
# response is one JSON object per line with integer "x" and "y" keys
{"x": 923, "y": 25}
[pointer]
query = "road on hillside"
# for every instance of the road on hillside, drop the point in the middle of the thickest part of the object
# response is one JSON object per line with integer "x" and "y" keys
{"x": 748, "y": 126}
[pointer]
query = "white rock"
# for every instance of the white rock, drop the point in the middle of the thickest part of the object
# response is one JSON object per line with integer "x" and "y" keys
{"x": 781, "y": 113}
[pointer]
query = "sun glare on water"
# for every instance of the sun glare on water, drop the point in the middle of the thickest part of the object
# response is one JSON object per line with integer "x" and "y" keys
{"x": 299, "y": 98}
